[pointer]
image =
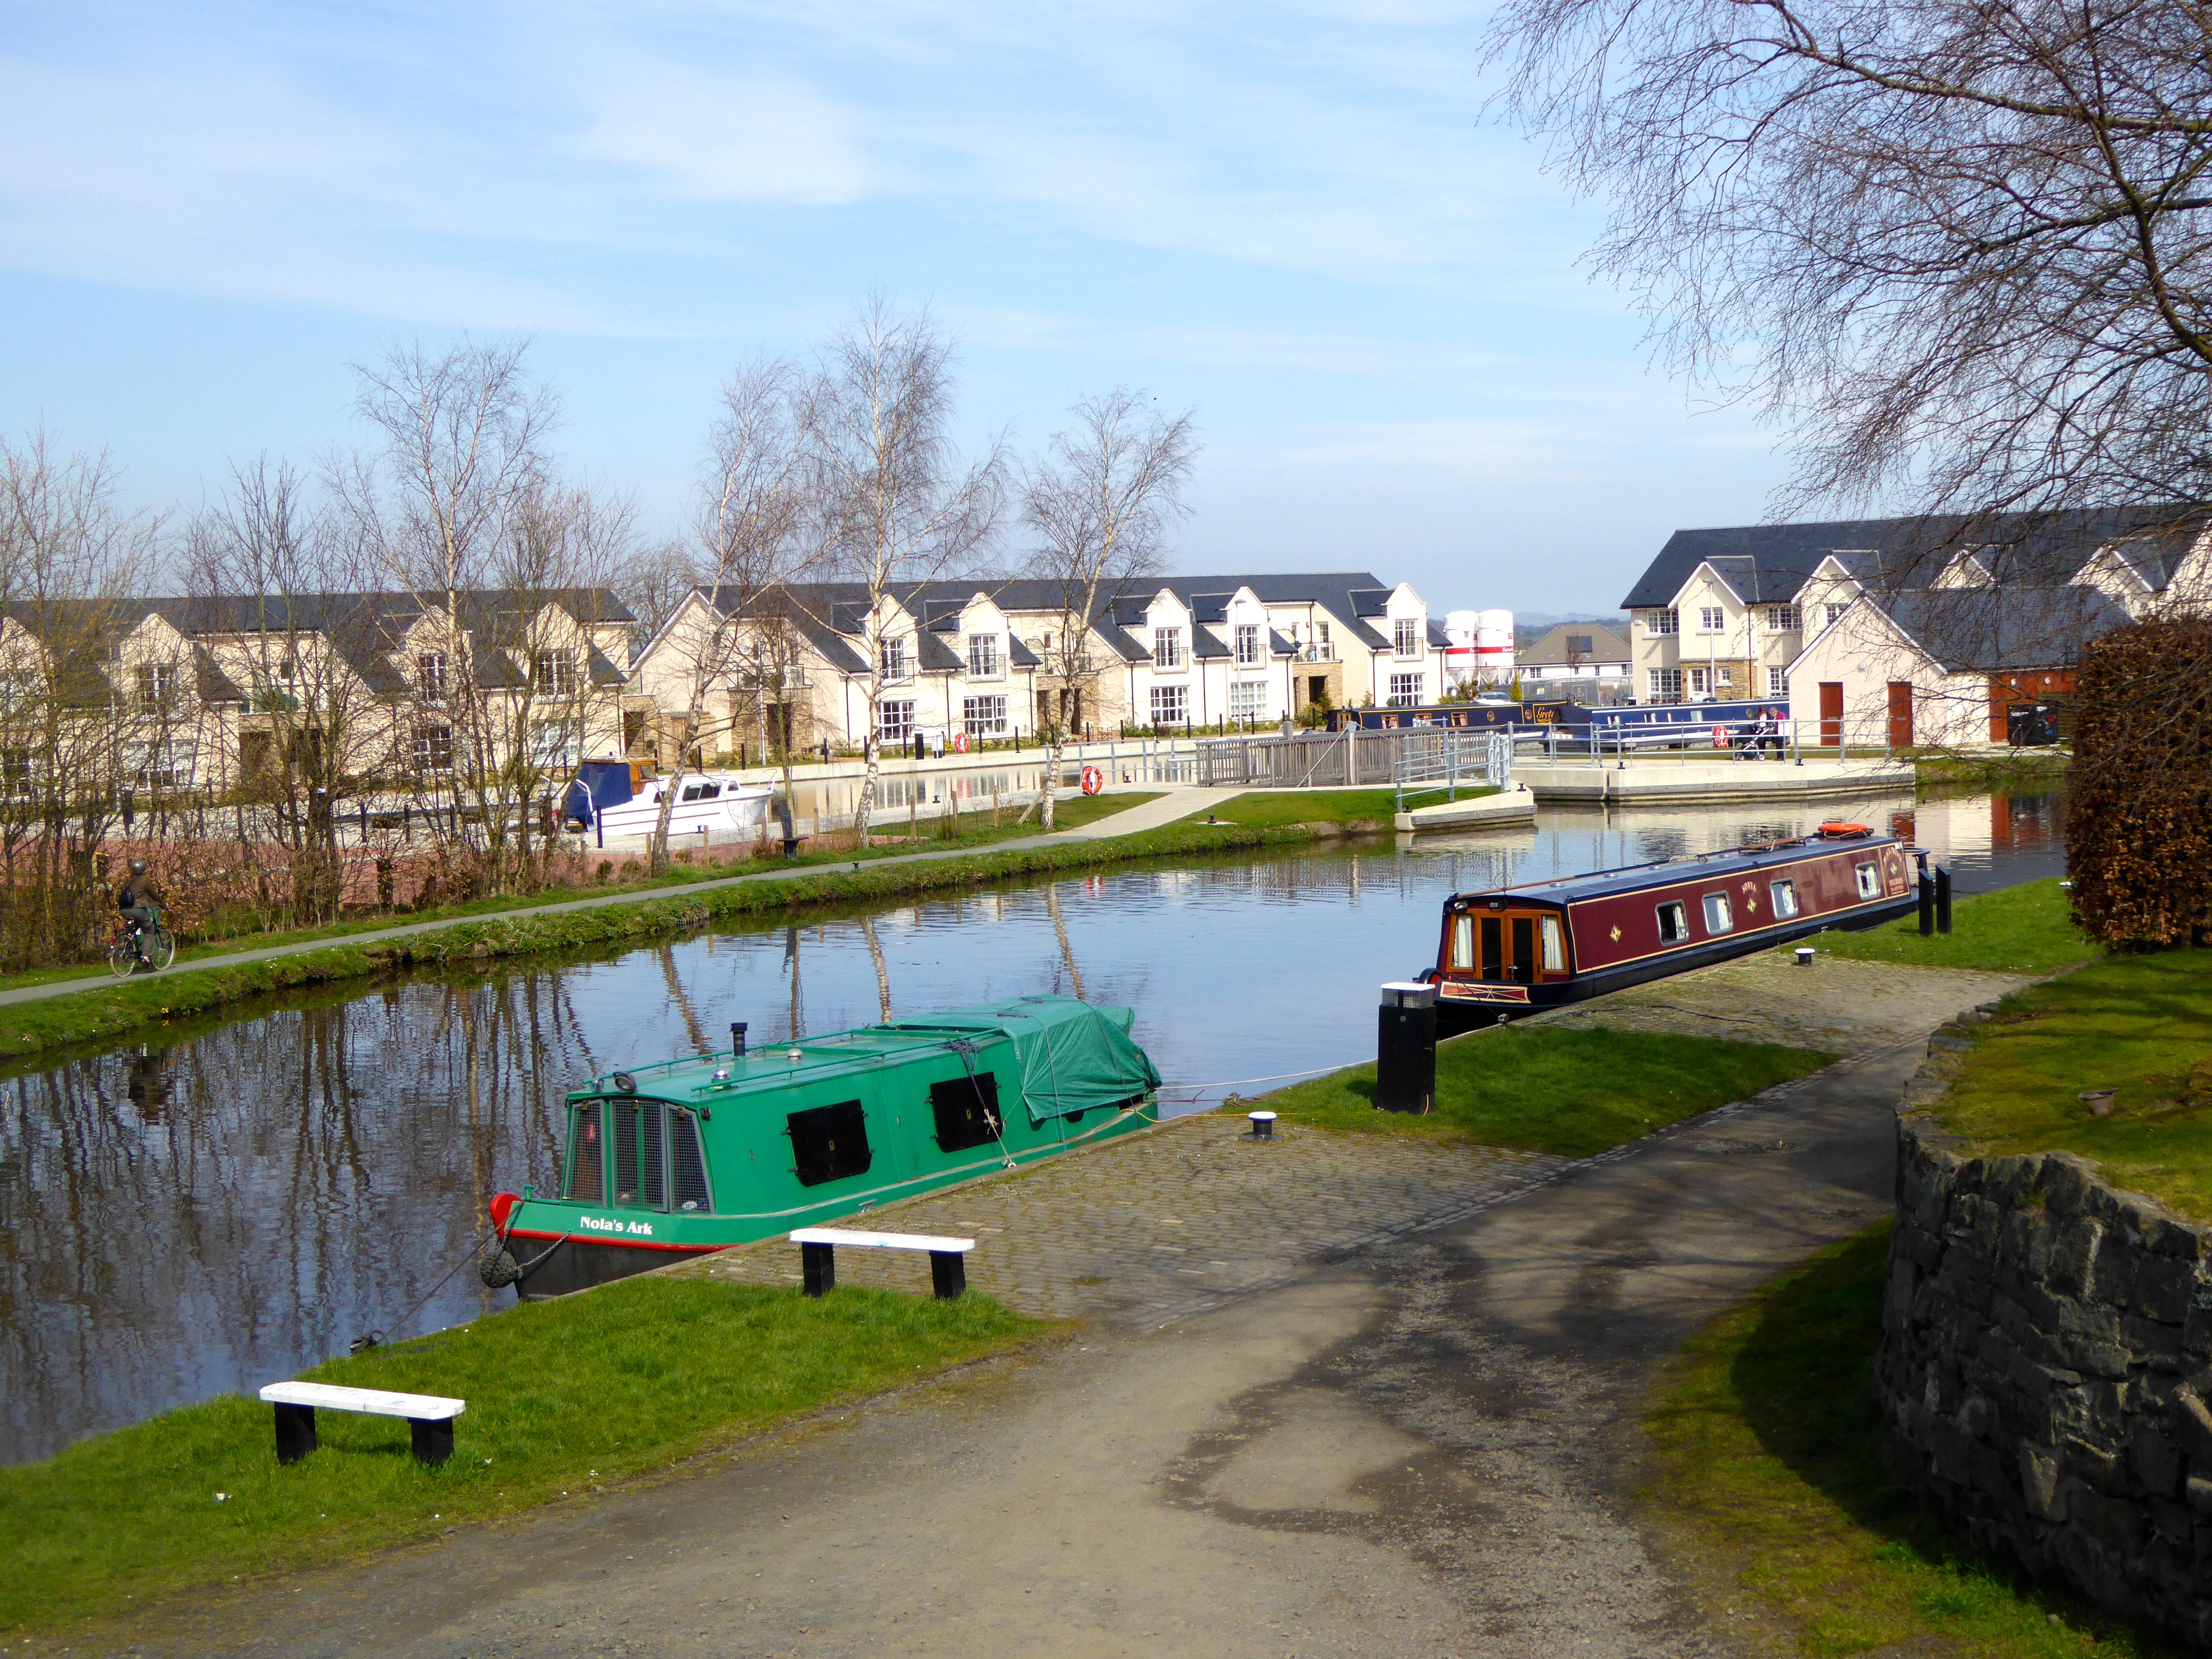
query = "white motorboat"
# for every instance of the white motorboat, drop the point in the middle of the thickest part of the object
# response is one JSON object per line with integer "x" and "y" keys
{"x": 614, "y": 799}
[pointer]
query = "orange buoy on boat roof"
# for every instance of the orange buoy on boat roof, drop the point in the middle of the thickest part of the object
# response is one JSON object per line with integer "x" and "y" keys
{"x": 1841, "y": 829}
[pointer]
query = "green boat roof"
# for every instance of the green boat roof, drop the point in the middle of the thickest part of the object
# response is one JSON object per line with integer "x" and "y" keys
{"x": 1072, "y": 1056}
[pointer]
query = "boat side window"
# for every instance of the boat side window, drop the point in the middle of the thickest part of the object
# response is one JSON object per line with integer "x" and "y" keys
{"x": 1674, "y": 924}
{"x": 587, "y": 1162}
{"x": 966, "y": 1112}
{"x": 1717, "y": 918}
{"x": 829, "y": 1142}
{"x": 1869, "y": 881}
{"x": 1785, "y": 899}
{"x": 1493, "y": 948}
{"x": 687, "y": 1171}
{"x": 638, "y": 1166}
{"x": 1462, "y": 944}
{"x": 702, "y": 791}
{"x": 1555, "y": 946}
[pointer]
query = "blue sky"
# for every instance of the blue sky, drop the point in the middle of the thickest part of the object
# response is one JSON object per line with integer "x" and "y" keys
{"x": 1293, "y": 219}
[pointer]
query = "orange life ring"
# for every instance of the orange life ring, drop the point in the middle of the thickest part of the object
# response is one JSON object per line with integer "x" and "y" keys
{"x": 1845, "y": 829}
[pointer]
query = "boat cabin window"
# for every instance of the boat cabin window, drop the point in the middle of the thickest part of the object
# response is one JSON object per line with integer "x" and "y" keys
{"x": 1674, "y": 924}
{"x": 829, "y": 1142}
{"x": 587, "y": 1159}
{"x": 1869, "y": 881}
{"x": 1555, "y": 946}
{"x": 1462, "y": 944}
{"x": 966, "y": 1112}
{"x": 702, "y": 792}
{"x": 687, "y": 1171}
{"x": 1718, "y": 917}
{"x": 638, "y": 1155}
{"x": 1785, "y": 899}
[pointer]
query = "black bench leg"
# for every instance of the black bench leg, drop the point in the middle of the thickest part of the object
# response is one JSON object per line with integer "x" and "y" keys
{"x": 817, "y": 1267}
{"x": 434, "y": 1439}
{"x": 295, "y": 1432}
{"x": 948, "y": 1273}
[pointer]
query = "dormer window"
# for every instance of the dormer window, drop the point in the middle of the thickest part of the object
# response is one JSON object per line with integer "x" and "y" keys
{"x": 1167, "y": 647}
{"x": 1711, "y": 619}
{"x": 430, "y": 676}
{"x": 554, "y": 673}
{"x": 157, "y": 687}
{"x": 1248, "y": 644}
{"x": 1407, "y": 636}
{"x": 895, "y": 659}
{"x": 982, "y": 656}
{"x": 1836, "y": 613}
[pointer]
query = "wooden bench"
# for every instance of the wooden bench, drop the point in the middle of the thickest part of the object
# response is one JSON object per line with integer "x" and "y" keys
{"x": 429, "y": 1418}
{"x": 817, "y": 1259}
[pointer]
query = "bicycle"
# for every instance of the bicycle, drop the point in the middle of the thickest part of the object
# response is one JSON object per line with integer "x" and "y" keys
{"x": 133, "y": 947}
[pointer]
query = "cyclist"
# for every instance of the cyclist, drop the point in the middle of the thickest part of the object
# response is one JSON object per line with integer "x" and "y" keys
{"x": 140, "y": 902}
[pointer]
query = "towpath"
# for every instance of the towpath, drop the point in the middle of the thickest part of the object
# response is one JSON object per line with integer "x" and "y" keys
{"x": 1176, "y": 804}
{"x": 1412, "y": 1439}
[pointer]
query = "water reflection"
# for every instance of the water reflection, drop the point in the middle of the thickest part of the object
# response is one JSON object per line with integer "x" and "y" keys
{"x": 180, "y": 1220}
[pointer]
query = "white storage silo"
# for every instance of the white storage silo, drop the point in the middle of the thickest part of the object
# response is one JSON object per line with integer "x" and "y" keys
{"x": 1459, "y": 649}
{"x": 1493, "y": 646}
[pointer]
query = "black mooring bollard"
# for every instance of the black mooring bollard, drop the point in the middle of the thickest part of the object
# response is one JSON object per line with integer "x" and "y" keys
{"x": 1943, "y": 900}
{"x": 1927, "y": 904}
{"x": 817, "y": 1269}
{"x": 1406, "y": 1048}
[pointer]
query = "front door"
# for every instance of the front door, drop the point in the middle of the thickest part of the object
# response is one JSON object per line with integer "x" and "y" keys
{"x": 1832, "y": 713}
{"x": 1514, "y": 947}
{"x": 1900, "y": 714}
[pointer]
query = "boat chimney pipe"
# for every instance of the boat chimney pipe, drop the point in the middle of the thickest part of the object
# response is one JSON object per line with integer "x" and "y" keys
{"x": 738, "y": 1038}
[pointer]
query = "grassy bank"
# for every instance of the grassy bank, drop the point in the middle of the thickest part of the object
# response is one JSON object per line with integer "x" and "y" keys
{"x": 1571, "y": 1093}
{"x": 1768, "y": 1476}
{"x": 2020, "y": 930}
{"x": 1372, "y": 808}
{"x": 2023, "y": 772}
{"x": 2139, "y": 1024}
{"x": 565, "y": 1398}
{"x": 125, "y": 1005}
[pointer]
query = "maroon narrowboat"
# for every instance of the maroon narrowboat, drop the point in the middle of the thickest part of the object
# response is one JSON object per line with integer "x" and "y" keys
{"x": 1517, "y": 951}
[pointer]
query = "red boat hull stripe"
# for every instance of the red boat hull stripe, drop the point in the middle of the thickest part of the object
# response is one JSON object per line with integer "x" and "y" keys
{"x": 621, "y": 1243}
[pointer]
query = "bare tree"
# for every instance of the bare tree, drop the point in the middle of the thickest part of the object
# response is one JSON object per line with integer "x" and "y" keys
{"x": 1098, "y": 505}
{"x": 901, "y": 506}
{"x": 651, "y": 584}
{"x": 1962, "y": 250}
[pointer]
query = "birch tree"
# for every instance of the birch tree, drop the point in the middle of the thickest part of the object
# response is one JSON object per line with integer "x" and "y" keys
{"x": 1098, "y": 506}
{"x": 900, "y": 506}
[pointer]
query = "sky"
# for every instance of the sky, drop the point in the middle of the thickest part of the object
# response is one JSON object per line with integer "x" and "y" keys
{"x": 1295, "y": 221}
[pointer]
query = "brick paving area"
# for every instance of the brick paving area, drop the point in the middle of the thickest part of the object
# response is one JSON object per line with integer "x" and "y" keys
{"x": 1168, "y": 1223}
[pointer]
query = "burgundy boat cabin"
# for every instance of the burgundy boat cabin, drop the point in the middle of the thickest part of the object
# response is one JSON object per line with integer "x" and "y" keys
{"x": 1518, "y": 951}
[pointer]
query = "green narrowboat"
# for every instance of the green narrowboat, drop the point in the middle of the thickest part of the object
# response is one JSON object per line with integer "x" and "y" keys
{"x": 700, "y": 1153}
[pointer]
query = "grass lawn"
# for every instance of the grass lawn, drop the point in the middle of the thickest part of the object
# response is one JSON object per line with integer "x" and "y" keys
{"x": 565, "y": 1398}
{"x": 1768, "y": 1473}
{"x": 2141, "y": 1024}
{"x": 1274, "y": 807}
{"x": 2027, "y": 771}
{"x": 1572, "y": 1093}
{"x": 2019, "y": 930}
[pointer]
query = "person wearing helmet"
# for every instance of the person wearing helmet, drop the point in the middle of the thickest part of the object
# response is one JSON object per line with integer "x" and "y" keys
{"x": 141, "y": 906}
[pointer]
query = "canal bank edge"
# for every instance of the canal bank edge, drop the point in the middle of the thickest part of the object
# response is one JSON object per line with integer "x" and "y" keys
{"x": 2046, "y": 1359}
{"x": 100, "y": 1012}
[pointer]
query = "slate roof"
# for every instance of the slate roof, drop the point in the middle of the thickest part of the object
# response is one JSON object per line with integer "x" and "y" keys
{"x": 1766, "y": 564}
{"x": 1988, "y": 629}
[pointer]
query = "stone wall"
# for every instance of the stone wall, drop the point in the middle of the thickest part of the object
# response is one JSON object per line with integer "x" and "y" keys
{"x": 2045, "y": 1366}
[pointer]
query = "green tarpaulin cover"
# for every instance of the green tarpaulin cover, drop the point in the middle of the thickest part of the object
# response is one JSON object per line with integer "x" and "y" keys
{"x": 1073, "y": 1057}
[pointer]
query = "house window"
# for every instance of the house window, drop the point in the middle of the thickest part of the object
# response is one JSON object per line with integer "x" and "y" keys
{"x": 1778, "y": 683}
{"x": 1404, "y": 690}
{"x": 1248, "y": 699}
{"x": 1709, "y": 619}
{"x": 556, "y": 744}
{"x": 895, "y": 720}
{"x": 1700, "y": 681}
{"x": 1579, "y": 646}
{"x": 1718, "y": 917}
{"x": 1674, "y": 924}
{"x": 895, "y": 659}
{"x": 433, "y": 749}
{"x": 1785, "y": 894}
{"x": 553, "y": 674}
{"x": 1783, "y": 619}
{"x": 1248, "y": 644}
{"x": 1869, "y": 880}
{"x": 1170, "y": 704}
{"x": 1323, "y": 649}
{"x": 1167, "y": 647}
{"x": 984, "y": 717}
{"x": 1663, "y": 621}
{"x": 1836, "y": 614}
{"x": 982, "y": 656}
{"x": 162, "y": 765}
{"x": 1666, "y": 686}
{"x": 1407, "y": 636}
{"x": 157, "y": 686}
{"x": 1724, "y": 678}
{"x": 430, "y": 676}
{"x": 18, "y": 692}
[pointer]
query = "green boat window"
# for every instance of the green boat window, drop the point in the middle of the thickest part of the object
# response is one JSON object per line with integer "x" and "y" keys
{"x": 587, "y": 1160}
{"x": 966, "y": 1112}
{"x": 687, "y": 1171}
{"x": 829, "y": 1142}
{"x": 638, "y": 1163}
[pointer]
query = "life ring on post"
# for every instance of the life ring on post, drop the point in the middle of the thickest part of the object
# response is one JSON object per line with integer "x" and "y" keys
{"x": 1093, "y": 779}
{"x": 1720, "y": 737}
{"x": 959, "y": 743}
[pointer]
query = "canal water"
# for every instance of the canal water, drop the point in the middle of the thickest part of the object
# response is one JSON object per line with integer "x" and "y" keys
{"x": 212, "y": 1210}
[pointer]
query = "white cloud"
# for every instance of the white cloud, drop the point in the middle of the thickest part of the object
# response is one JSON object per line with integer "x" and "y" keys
{"x": 729, "y": 138}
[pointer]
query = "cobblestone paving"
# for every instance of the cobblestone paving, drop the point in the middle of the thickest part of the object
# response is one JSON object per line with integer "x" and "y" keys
{"x": 1169, "y": 1222}
{"x": 1845, "y": 1008}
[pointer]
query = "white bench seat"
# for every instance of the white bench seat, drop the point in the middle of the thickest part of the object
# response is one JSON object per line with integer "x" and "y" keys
{"x": 430, "y": 1416}
{"x": 817, "y": 1256}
